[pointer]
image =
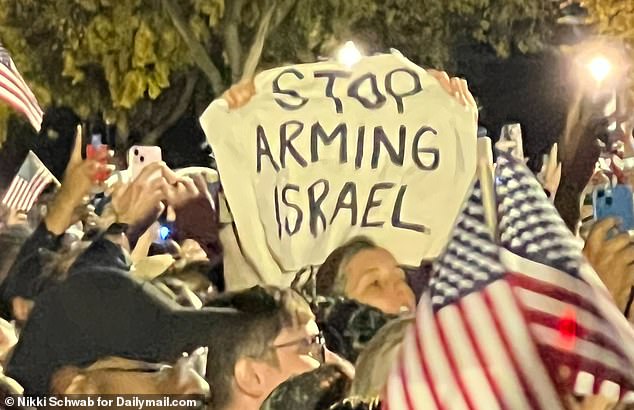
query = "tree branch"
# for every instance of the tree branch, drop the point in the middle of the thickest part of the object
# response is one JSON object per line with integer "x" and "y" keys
{"x": 283, "y": 8}
{"x": 231, "y": 36}
{"x": 152, "y": 137}
{"x": 198, "y": 52}
{"x": 255, "y": 52}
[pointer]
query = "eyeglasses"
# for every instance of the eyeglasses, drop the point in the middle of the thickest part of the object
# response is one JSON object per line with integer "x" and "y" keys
{"x": 313, "y": 346}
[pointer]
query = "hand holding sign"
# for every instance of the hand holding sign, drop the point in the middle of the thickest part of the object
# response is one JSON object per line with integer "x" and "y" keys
{"x": 239, "y": 94}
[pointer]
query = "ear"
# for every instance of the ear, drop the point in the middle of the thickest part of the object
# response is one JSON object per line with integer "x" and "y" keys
{"x": 249, "y": 377}
{"x": 21, "y": 308}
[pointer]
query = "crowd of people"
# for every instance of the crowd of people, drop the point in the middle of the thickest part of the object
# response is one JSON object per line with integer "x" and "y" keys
{"x": 95, "y": 302}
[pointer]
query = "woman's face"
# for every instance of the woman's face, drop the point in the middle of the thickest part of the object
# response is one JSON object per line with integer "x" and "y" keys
{"x": 373, "y": 277}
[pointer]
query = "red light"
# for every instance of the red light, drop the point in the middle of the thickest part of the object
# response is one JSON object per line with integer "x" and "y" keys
{"x": 568, "y": 329}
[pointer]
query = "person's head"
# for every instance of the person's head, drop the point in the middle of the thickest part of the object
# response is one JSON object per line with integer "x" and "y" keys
{"x": 35, "y": 275}
{"x": 280, "y": 340}
{"x": 375, "y": 362}
{"x": 363, "y": 271}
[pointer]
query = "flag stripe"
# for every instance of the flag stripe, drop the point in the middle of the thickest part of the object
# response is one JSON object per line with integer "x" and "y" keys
{"x": 586, "y": 356}
{"x": 415, "y": 386}
{"x": 451, "y": 361}
{"x": 589, "y": 325}
{"x": 467, "y": 317}
{"x": 575, "y": 286}
{"x": 469, "y": 370}
{"x": 21, "y": 194}
{"x": 15, "y": 91}
{"x": 552, "y": 322}
{"x": 449, "y": 392}
{"x": 495, "y": 356}
{"x": 503, "y": 305}
{"x": 420, "y": 357}
{"x": 27, "y": 185}
{"x": 24, "y": 86}
{"x": 11, "y": 201}
{"x": 9, "y": 194}
{"x": 15, "y": 102}
{"x": 32, "y": 187}
{"x": 570, "y": 295}
{"x": 38, "y": 185}
{"x": 12, "y": 83}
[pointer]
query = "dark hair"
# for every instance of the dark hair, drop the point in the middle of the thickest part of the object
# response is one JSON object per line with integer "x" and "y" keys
{"x": 56, "y": 139}
{"x": 270, "y": 310}
{"x": 330, "y": 280}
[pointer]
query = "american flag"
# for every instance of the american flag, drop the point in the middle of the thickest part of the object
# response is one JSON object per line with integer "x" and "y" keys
{"x": 470, "y": 347}
{"x": 570, "y": 313}
{"x": 15, "y": 91}
{"x": 28, "y": 184}
{"x": 514, "y": 325}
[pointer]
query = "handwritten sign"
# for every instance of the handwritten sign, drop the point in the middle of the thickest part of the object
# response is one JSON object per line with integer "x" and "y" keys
{"x": 324, "y": 152}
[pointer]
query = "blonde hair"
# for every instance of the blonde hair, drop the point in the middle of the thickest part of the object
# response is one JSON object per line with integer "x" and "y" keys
{"x": 375, "y": 362}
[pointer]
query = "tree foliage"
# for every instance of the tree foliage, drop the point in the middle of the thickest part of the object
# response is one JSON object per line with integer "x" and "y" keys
{"x": 144, "y": 63}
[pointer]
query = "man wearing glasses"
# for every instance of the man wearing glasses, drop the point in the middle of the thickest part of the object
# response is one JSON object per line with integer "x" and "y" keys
{"x": 281, "y": 341}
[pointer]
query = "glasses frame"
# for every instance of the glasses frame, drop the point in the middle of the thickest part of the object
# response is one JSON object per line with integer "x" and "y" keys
{"x": 315, "y": 340}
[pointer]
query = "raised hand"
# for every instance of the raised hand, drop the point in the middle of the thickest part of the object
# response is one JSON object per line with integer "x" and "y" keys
{"x": 80, "y": 179}
{"x": 139, "y": 204}
{"x": 458, "y": 88}
{"x": 550, "y": 174}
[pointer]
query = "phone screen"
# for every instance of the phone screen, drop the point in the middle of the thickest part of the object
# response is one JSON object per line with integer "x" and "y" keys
{"x": 97, "y": 150}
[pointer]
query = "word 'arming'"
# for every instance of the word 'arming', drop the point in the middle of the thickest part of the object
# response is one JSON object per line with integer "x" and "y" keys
{"x": 426, "y": 158}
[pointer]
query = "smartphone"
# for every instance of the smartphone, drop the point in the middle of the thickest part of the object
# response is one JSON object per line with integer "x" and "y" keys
{"x": 615, "y": 202}
{"x": 97, "y": 150}
{"x": 140, "y": 157}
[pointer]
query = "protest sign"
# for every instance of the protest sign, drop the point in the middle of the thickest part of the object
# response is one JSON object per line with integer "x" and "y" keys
{"x": 324, "y": 152}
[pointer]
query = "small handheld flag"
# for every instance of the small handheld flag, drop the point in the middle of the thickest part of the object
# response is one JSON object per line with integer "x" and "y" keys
{"x": 28, "y": 184}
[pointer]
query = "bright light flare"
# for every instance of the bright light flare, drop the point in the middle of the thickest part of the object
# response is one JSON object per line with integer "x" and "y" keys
{"x": 349, "y": 54}
{"x": 600, "y": 67}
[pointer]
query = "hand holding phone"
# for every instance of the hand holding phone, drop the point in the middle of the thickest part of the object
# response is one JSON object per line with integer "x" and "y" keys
{"x": 615, "y": 202}
{"x": 140, "y": 157}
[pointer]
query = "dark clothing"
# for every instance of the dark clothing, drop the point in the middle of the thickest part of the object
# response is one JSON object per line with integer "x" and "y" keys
{"x": 103, "y": 312}
{"x": 102, "y": 252}
{"x": 315, "y": 390}
{"x": 27, "y": 267}
{"x": 348, "y": 325}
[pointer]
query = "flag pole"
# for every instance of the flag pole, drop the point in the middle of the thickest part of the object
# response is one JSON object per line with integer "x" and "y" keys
{"x": 485, "y": 175}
